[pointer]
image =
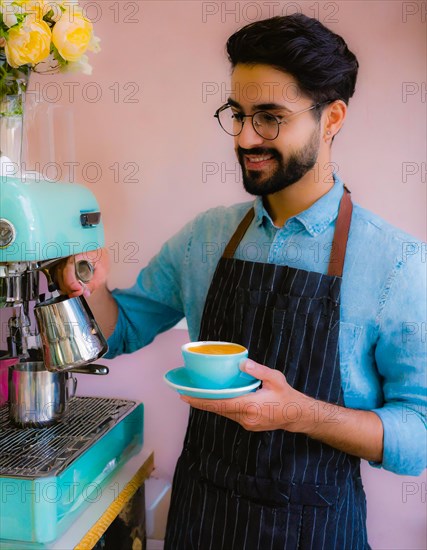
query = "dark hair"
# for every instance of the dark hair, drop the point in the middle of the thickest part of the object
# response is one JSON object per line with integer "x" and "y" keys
{"x": 316, "y": 57}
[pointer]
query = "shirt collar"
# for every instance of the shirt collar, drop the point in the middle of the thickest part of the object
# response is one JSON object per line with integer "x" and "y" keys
{"x": 316, "y": 218}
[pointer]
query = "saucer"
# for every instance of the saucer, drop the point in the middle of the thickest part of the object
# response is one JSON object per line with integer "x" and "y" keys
{"x": 178, "y": 380}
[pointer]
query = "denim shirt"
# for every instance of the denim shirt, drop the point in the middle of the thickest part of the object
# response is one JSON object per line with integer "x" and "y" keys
{"x": 382, "y": 339}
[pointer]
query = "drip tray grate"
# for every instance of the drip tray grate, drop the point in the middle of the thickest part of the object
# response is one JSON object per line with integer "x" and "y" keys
{"x": 38, "y": 452}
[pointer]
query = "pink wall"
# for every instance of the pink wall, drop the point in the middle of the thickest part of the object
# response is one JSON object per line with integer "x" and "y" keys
{"x": 159, "y": 80}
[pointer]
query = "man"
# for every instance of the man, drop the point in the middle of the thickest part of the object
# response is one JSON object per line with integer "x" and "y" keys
{"x": 279, "y": 468}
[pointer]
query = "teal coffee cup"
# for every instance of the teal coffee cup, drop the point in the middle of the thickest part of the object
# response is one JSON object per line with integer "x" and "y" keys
{"x": 215, "y": 365}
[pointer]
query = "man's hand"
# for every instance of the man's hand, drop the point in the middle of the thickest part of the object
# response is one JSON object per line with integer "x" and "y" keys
{"x": 102, "y": 304}
{"x": 279, "y": 406}
{"x": 66, "y": 278}
{"x": 276, "y": 406}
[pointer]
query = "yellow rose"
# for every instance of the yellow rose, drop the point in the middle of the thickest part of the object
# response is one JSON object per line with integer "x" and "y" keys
{"x": 72, "y": 35}
{"x": 28, "y": 43}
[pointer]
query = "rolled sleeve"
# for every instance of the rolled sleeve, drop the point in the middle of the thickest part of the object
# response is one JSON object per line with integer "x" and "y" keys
{"x": 154, "y": 304}
{"x": 139, "y": 321}
{"x": 401, "y": 361}
{"x": 404, "y": 438}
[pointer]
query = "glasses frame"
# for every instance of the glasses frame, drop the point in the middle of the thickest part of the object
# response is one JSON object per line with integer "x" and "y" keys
{"x": 279, "y": 122}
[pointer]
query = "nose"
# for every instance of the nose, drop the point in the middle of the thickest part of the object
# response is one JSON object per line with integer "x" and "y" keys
{"x": 248, "y": 138}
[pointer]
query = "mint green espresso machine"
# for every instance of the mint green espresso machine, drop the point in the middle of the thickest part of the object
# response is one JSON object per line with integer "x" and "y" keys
{"x": 41, "y": 222}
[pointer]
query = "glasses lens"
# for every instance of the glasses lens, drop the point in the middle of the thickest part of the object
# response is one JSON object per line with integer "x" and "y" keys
{"x": 266, "y": 125}
{"x": 230, "y": 122}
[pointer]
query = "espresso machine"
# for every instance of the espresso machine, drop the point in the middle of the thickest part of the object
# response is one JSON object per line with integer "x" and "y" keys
{"x": 41, "y": 223}
{"x": 83, "y": 438}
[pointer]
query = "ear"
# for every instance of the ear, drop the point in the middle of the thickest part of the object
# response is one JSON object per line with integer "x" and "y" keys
{"x": 334, "y": 116}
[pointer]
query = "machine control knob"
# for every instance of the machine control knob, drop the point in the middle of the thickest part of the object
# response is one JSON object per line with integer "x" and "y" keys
{"x": 7, "y": 233}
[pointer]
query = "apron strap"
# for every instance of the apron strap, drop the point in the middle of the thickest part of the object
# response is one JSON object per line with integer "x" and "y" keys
{"x": 342, "y": 228}
{"x": 234, "y": 242}
{"x": 339, "y": 243}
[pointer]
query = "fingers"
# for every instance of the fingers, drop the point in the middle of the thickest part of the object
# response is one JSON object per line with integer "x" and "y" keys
{"x": 66, "y": 280}
{"x": 245, "y": 410}
{"x": 69, "y": 283}
{"x": 267, "y": 375}
{"x": 231, "y": 408}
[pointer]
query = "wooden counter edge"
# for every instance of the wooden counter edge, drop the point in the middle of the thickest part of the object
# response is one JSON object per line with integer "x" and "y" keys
{"x": 107, "y": 518}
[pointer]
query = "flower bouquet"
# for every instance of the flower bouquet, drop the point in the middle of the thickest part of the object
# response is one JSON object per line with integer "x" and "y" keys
{"x": 43, "y": 36}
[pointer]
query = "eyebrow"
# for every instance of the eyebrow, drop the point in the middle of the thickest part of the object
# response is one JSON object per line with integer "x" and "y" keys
{"x": 260, "y": 106}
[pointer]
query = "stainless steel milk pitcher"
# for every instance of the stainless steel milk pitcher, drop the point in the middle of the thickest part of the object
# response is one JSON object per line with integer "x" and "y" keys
{"x": 37, "y": 397}
{"x": 69, "y": 334}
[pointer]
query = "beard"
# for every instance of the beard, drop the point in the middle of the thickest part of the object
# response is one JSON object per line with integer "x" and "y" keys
{"x": 257, "y": 182}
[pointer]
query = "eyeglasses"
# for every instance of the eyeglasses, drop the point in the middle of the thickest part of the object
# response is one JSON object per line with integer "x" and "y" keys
{"x": 264, "y": 123}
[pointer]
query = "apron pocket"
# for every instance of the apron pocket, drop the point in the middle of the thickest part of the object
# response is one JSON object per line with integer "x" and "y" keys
{"x": 276, "y": 493}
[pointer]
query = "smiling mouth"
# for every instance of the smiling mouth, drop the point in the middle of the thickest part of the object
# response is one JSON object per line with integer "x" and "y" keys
{"x": 257, "y": 161}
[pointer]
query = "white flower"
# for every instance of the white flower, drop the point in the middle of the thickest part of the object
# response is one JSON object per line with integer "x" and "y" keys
{"x": 80, "y": 66}
{"x": 9, "y": 19}
{"x": 8, "y": 10}
{"x": 94, "y": 45}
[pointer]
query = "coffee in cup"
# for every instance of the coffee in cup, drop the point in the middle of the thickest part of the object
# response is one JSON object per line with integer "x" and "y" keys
{"x": 215, "y": 365}
{"x": 219, "y": 348}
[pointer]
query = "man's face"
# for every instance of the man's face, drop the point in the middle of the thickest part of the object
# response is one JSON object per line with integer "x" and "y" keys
{"x": 269, "y": 166}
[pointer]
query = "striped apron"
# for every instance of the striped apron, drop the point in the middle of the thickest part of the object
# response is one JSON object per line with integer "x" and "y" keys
{"x": 235, "y": 489}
